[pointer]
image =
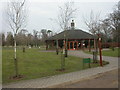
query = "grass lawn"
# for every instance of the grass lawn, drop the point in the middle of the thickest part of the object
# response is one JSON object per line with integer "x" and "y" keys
{"x": 109, "y": 52}
{"x": 35, "y": 64}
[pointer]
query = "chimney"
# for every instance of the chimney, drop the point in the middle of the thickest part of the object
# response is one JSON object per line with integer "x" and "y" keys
{"x": 72, "y": 24}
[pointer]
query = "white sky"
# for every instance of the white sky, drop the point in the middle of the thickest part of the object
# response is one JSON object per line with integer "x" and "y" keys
{"x": 40, "y": 12}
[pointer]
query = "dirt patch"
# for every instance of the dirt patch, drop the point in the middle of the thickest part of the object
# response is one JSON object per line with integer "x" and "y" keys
{"x": 17, "y": 77}
{"x": 61, "y": 70}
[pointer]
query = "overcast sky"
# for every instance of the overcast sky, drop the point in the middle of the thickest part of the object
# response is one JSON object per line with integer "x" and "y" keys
{"x": 39, "y": 13}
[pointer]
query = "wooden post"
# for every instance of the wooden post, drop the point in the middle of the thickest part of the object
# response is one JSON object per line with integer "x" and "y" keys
{"x": 73, "y": 45}
{"x": 77, "y": 45}
{"x": 89, "y": 45}
{"x": 57, "y": 47}
{"x": 69, "y": 45}
{"x": 46, "y": 45}
{"x": 81, "y": 44}
{"x": 64, "y": 44}
{"x": 99, "y": 44}
{"x": 100, "y": 52}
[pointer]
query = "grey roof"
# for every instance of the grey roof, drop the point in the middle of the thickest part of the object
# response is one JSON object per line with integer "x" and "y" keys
{"x": 72, "y": 34}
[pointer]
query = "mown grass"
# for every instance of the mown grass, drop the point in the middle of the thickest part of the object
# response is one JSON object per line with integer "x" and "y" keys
{"x": 115, "y": 53}
{"x": 36, "y": 64}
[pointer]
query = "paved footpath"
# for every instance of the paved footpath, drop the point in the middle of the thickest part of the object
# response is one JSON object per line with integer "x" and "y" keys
{"x": 113, "y": 60}
{"x": 49, "y": 82}
{"x": 104, "y": 80}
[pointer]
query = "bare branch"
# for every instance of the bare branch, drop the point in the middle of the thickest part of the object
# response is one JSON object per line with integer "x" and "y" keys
{"x": 66, "y": 13}
{"x": 16, "y": 15}
{"x": 93, "y": 23}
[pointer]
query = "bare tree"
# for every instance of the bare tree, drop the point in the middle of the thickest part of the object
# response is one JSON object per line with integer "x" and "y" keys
{"x": 35, "y": 34}
{"x": 111, "y": 25}
{"x": 9, "y": 39}
{"x": 16, "y": 19}
{"x": 3, "y": 39}
{"x": 94, "y": 26}
{"x": 66, "y": 13}
{"x": 93, "y": 23}
{"x": 49, "y": 33}
{"x": 44, "y": 34}
{"x": 106, "y": 29}
{"x": 0, "y": 39}
{"x": 30, "y": 39}
{"x": 115, "y": 22}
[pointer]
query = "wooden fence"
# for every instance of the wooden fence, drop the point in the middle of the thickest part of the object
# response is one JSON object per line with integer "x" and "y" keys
{"x": 107, "y": 45}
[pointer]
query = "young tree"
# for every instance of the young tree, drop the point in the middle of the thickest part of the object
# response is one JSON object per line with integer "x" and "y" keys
{"x": 94, "y": 26}
{"x": 16, "y": 20}
{"x": 93, "y": 23}
{"x": 66, "y": 13}
{"x": 3, "y": 39}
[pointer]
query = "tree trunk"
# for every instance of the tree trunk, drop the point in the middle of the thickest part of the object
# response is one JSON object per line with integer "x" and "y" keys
{"x": 65, "y": 43}
{"x": 15, "y": 57}
{"x": 23, "y": 49}
{"x": 95, "y": 51}
{"x": 89, "y": 45}
{"x": 63, "y": 59}
{"x": 57, "y": 51}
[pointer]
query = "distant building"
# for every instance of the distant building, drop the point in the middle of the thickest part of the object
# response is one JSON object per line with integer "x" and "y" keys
{"x": 76, "y": 39}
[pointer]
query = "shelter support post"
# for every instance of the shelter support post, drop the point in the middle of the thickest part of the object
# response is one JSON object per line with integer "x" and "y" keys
{"x": 77, "y": 45}
{"x": 81, "y": 44}
{"x": 89, "y": 45}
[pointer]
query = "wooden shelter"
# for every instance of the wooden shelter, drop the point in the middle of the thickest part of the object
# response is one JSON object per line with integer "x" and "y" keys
{"x": 75, "y": 39}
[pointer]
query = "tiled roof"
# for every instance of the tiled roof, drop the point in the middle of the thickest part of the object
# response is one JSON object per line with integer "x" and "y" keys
{"x": 72, "y": 34}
